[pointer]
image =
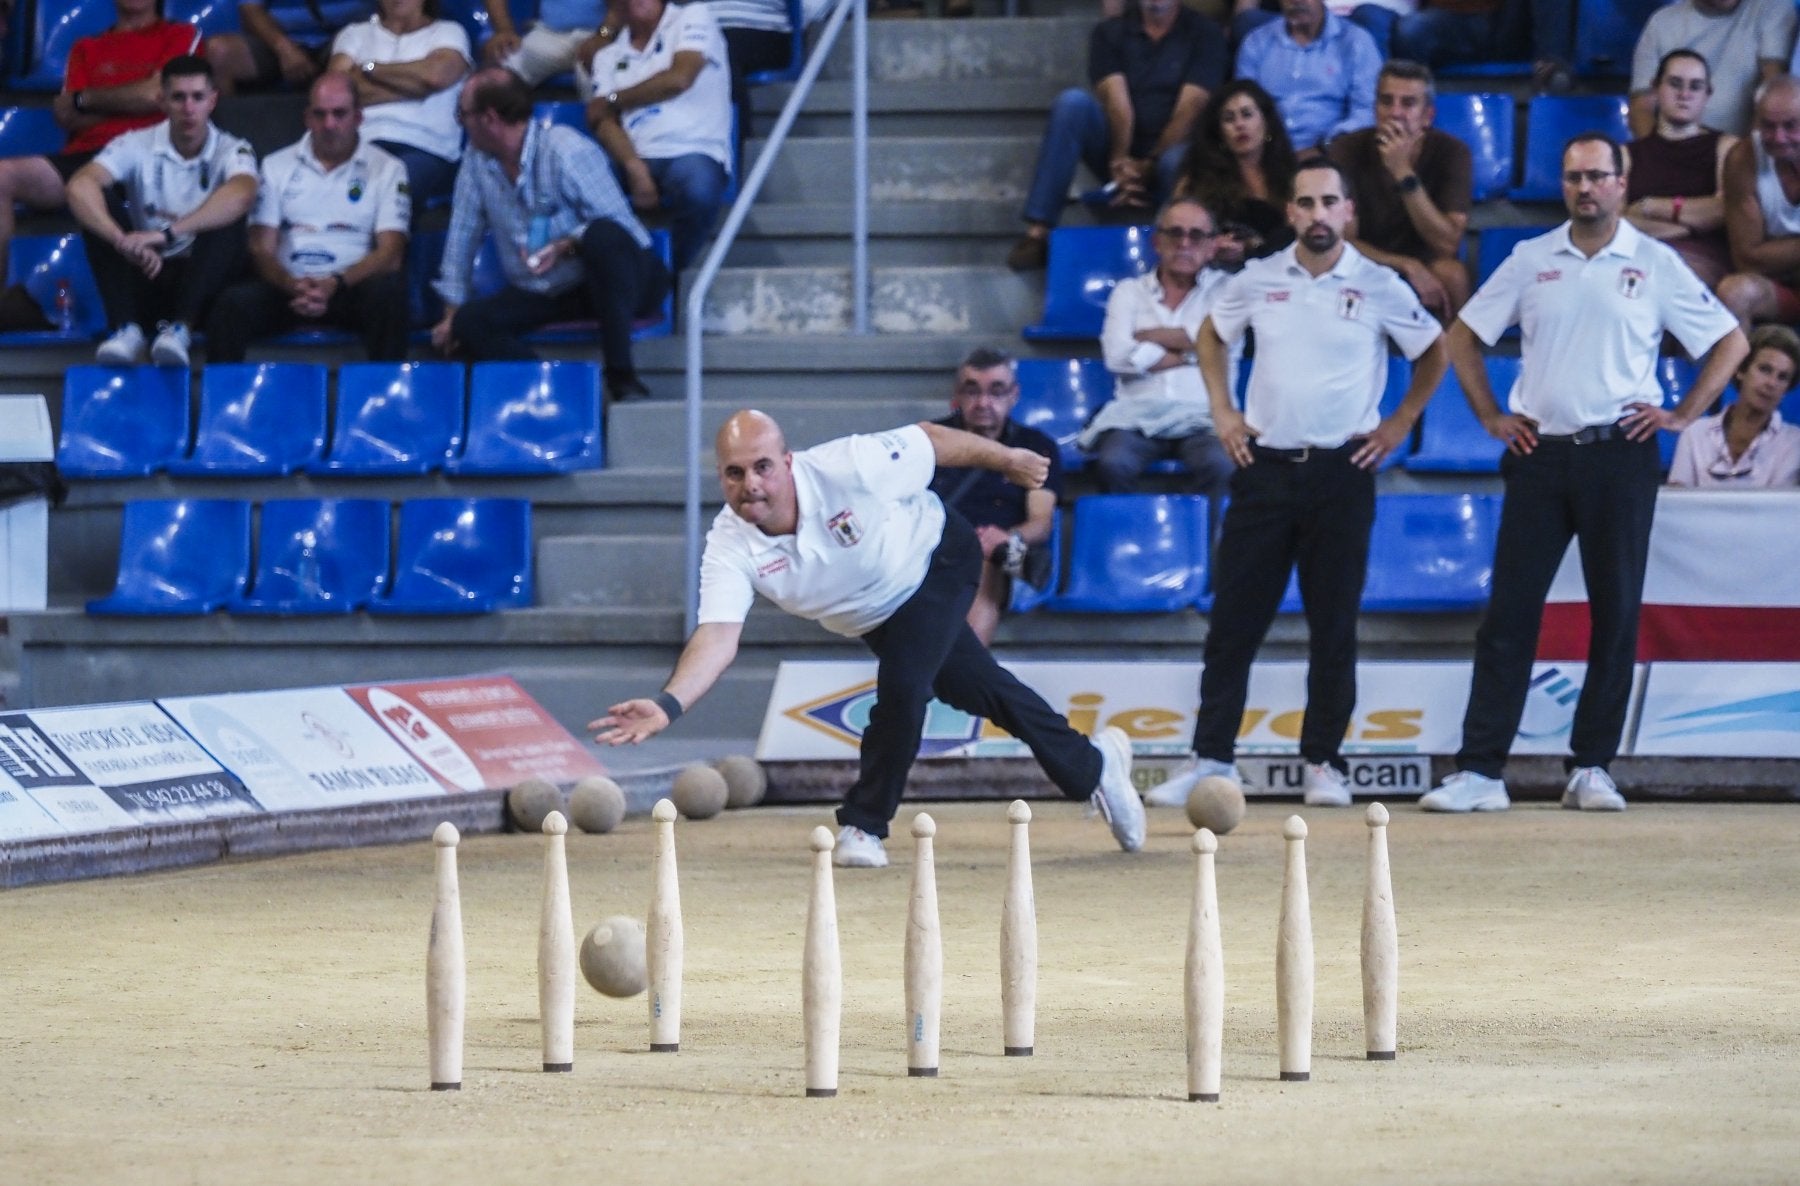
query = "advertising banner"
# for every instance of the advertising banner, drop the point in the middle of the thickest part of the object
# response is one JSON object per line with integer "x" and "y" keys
{"x": 32, "y": 766}
{"x": 478, "y": 733}
{"x": 144, "y": 762}
{"x": 1740, "y": 710}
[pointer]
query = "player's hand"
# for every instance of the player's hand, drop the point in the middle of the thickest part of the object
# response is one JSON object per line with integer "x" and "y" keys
{"x": 1519, "y": 432}
{"x": 1387, "y": 437}
{"x": 629, "y": 722}
{"x": 1027, "y": 469}
{"x": 1234, "y": 432}
{"x": 1395, "y": 149}
{"x": 991, "y": 537}
{"x": 1643, "y": 421}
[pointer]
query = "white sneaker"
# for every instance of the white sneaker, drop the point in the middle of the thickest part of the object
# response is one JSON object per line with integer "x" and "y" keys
{"x": 1592, "y": 789}
{"x": 1174, "y": 790}
{"x": 125, "y": 348}
{"x": 856, "y": 849}
{"x": 1115, "y": 798}
{"x": 1467, "y": 791}
{"x": 1325, "y": 786}
{"x": 170, "y": 349}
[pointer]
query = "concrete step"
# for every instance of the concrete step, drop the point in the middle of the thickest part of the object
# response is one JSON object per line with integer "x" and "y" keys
{"x": 653, "y": 433}
{"x": 997, "y": 106}
{"x": 903, "y": 169}
{"x": 926, "y": 300}
{"x": 885, "y": 251}
{"x": 970, "y": 52}
{"x": 598, "y": 571}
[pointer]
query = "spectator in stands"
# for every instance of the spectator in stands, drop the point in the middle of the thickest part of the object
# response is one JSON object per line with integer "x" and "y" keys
{"x": 110, "y": 86}
{"x": 551, "y": 46}
{"x": 288, "y": 46}
{"x": 1161, "y": 409}
{"x": 760, "y": 37}
{"x": 327, "y": 239}
{"x": 569, "y": 244}
{"x": 187, "y": 187}
{"x": 1674, "y": 191}
{"x": 1456, "y": 32}
{"x": 1240, "y": 165}
{"x": 1320, "y": 68}
{"x": 662, "y": 111}
{"x": 1743, "y": 41}
{"x": 1375, "y": 17}
{"x": 1762, "y": 211}
{"x": 1009, "y": 520}
{"x": 407, "y": 64}
{"x": 1151, "y": 71}
{"x": 1747, "y": 446}
{"x": 1414, "y": 186}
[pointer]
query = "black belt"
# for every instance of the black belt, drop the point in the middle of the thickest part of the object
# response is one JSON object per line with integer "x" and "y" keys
{"x": 1306, "y": 453}
{"x": 1592, "y": 435}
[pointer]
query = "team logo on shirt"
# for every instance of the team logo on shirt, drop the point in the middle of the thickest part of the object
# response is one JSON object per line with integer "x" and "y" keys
{"x": 1277, "y": 296}
{"x": 1631, "y": 283}
{"x": 1350, "y": 301}
{"x": 845, "y": 529}
{"x": 1550, "y": 277}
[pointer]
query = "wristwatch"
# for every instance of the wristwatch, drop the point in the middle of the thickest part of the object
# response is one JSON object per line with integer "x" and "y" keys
{"x": 1190, "y": 358}
{"x": 169, "y": 236}
{"x": 1409, "y": 183}
{"x": 612, "y": 98}
{"x": 368, "y": 68}
{"x": 78, "y": 100}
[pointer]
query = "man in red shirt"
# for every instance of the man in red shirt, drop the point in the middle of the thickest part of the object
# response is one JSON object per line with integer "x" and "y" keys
{"x": 110, "y": 86}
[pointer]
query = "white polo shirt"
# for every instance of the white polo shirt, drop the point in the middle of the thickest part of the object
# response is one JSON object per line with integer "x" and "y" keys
{"x": 163, "y": 185}
{"x": 868, "y": 523}
{"x": 696, "y": 120}
{"x": 328, "y": 219}
{"x": 1321, "y": 344}
{"x": 1593, "y": 326}
{"x": 428, "y": 123}
{"x": 1703, "y": 459}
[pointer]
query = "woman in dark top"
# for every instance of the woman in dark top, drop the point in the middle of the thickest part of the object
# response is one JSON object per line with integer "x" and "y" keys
{"x": 1241, "y": 164}
{"x": 1673, "y": 190}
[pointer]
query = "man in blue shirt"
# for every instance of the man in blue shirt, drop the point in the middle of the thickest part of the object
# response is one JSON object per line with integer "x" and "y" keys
{"x": 1320, "y": 68}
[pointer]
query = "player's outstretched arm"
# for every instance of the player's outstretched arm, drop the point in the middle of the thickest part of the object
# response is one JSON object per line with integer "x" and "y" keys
{"x": 708, "y": 653}
{"x": 956, "y": 449}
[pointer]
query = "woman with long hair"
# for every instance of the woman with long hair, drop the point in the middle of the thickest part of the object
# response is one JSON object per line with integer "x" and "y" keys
{"x": 1240, "y": 163}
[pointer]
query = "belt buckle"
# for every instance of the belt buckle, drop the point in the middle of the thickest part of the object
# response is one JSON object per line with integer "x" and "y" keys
{"x": 1304, "y": 454}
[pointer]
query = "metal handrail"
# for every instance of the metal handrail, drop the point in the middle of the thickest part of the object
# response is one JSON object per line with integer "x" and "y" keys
{"x": 740, "y": 209}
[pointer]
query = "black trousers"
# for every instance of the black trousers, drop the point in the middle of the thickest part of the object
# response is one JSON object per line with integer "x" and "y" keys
{"x": 1315, "y": 514}
{"x": 184, "y": 290}
{"x": 376, "y": 310}
{"x": 752, "y": 51}
{"x": 1603, "y": 495}
{"x": 620, "y": 281}
{"x": 926, "y": 648}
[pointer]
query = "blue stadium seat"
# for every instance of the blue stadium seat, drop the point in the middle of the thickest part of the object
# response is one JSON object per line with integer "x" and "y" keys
{"x": 1085, "y": 263}
{"x": 1136, "y": 553}
{"x": 29, "y": 131}
{"x": 257, "y": 419}
{"x": 213, "y": 17}
{"x": 41, "y": 263}
{"x": 1511, "y": 69}
{"x": 122, "y": 422}
{"x": 424, "y": 254}
{"x": 1493, "y": 244}
{"x": 1024, "y": 597}
{"x": 1675, "y": 374}
{"x": 318, "y": 556}
{"x": 1606, "y": 33}
{"x": 1549, "y": 122}
{"x": 485, "y": 277}
{"x": 55, "y": 30}
{"x": 532, "y": 418}
{"x": 1399, "y": 377}
{"x": 1451, "y": 440}
{"x": 1057, "y": 396}
{"x": 395, "y": 418}
{"x": 472, "y": 15}
{"x": 1485, "y": 123}
{"x": 180, "y": 556}
{"x": 461, "y": 556}
{"x": 796, "y": 12}
{"x": 569, "y": 113}
{"x": 1431, "y": 553}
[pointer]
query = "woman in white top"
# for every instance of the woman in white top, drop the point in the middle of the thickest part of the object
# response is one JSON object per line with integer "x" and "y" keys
{"x": 1748, "y": 445}
{"x": 408, "y": 65}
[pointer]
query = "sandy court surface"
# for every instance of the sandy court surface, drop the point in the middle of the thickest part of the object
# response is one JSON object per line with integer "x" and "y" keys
{"x": 1583, "y": 999}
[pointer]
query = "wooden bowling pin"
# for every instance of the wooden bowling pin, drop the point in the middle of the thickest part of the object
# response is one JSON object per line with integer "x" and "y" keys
{"x": 1294, "y": 960}
{"x": 556, "y": 951}
{"x": 1205, "y": 997}
{"x": 1018, "y": 938}
{"x": 663, "y": 938}
{"x": 445, "y": 973}
{"x": 1380, "y": 945}
{"x": 924, "y": 956}
{"x": 822, "y": 974}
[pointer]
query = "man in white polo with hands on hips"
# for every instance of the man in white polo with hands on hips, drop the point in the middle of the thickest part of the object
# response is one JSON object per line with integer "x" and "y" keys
{"x": 1593, "y": 298}
{"x": 848, "y": 534}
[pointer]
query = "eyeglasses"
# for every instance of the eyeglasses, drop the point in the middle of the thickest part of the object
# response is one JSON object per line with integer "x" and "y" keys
{"x": 1591, "y": 176}
{"x": 1184, "y": 234}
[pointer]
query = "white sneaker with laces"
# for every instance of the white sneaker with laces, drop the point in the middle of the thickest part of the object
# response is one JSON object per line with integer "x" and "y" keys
{"x": 1591, "y": 788}
{"x": 1115, "y": 799}
{"x": 1174, "y": 790}
{"x": 1325, "y": 786}
{"x": 1467, "y": 791}
{"x": 125, "y": 348}
{"x": 170, "y": 349}
{"x": 856, "y": 849}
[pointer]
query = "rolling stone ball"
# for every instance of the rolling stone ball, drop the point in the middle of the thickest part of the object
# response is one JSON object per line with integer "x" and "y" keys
{"x": 596, "y": 804}
{"x": 700, "y": 791}
{"x": 745, "y": 781}
{"x": 1216, "y": 803}
{"x": 612, "y": 957}
{"x": 530, "y": 801}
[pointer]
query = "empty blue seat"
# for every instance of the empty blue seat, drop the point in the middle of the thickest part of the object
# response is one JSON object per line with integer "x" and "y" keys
{"x": 257, "y": 419}
{"x": 1549, "y": 123}
{"x": 1510, "y": 69}
{"x": 1606, "y": 33}
{"x": 212, "y": 17}
{"x": 568, "y": 114}
{"x": 122, "y": 422}
{"x": 532, "y": 418}
{"x": 1493, "y": 244}
{"x": 1399, "y": 378}
{"x": 1451, "y": 440}
{"x": 461, "y": 556}
{"x": 1136, "y": 553}
{"x": 1024, "y": 597}
{"x": 318, "y": 556}
{"x": 1485, "y": 123}
{"x": 54, "y": 33}
{"x": 1085, "y": 263}
{"x": 29, "y": 131}
{"x": 43, "y": 263}
{"x": 180, "y": 556}
{"x": 395, "y": 418}
{"x": 1431, "y": 553}
{"x": 1057, "y": 396}
{"x": 1675, "y": 375}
